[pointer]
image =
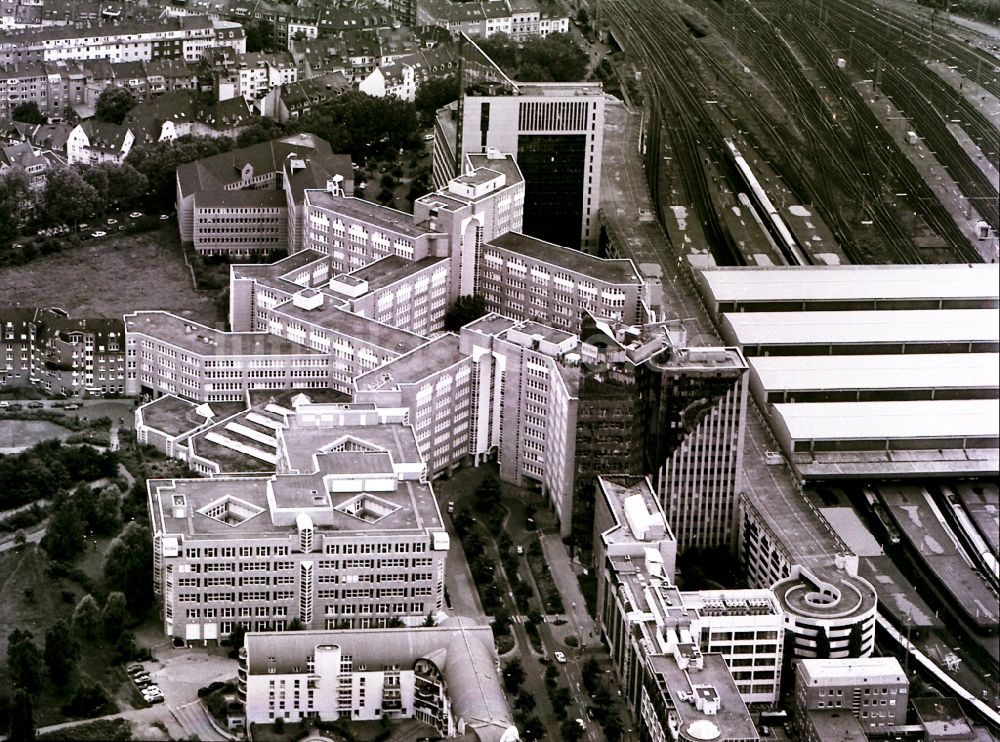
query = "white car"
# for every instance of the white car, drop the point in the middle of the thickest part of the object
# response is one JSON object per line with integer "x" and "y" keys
{"x": 560, "y": 657}
{"x": 164, "y": 217}
{"x": 428, "y": 137}
{"x": 135, "y": 215}
{"x": 98, "y": 233}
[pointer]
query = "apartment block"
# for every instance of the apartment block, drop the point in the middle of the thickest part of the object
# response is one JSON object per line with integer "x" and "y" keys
{"x": 129, "y": 41}
{"x": 528, "y": 278}
{"x": 250, "y": 200}
{"x": 519, "y": 19}
{"x": 94, "y": 142}
{"x": 48, "y": 349}
{"x": 444, "y": 676}
{"x": 873, "y": 690}
{"x": 346, "y": 534}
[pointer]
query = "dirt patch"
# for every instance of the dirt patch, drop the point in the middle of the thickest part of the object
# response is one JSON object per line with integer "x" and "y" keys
{"x": 111, "y": 276}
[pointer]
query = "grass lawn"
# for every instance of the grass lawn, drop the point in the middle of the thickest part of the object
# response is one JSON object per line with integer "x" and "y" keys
{"x": 111, "y": 276}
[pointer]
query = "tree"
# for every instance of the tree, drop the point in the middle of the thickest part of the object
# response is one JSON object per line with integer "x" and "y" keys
{"x": 24, "y": 660}
{"x": 20, "y": 539}
{"x": 22, "y": 718}
{"x": 525, "y": 702}
{"x": 434, "y": 93}
{"x": 487, "y": 493}
{"x": 263, "y": 129}
{"x": 89, "y": 700}
{"x": 64, "y": 537}
{"x": 822, "y": 644}
{"x": 67, "y": 197}
{"x": 61, "y": 652}
{"x": 114, "y": 614}
{"x": 87, "y": 617}
{"x": 14, "y": 194}
{"x": 513, "y": 675}
{"x": 113, "y": 104}
{"x": 28, "y": 113}
{"x": 158, "y": 162}
{"x": 106, "y": 518}
{"x": 125, "y": 648}
{"x": 464, "y": 310}
{"x": 4, "y": 713}
{"x": 260, "y": 36}
{"x": 556, "y": 56}
{"x": 571, "y": 731}
{"x": 128, "y": 566}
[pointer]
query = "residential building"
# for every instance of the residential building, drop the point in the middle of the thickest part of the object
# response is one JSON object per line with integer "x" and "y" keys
{"x": 249, "y": 200}
{"x": 444, "y": 676}
{"x": 251, "y": 76}
{"x": 48, "y": 349}
{"x": 181, "y": 112}
{"x": 346, "y": 534}
{"x": 295, "y": 100}
{"x": 539, "y": 123}
{"x": 519, "y": 19}
{"x": 53, "y": 86}
{"x": 874, "y": 690}
{"x": 94, "y": 142}
{"x": 396, "y": 78}
{"x": 130, "y": 41}
{"x": 23, "y": 157}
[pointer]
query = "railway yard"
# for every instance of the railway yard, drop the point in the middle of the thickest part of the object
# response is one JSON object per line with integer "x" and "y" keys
{"x": 790, "y": 108}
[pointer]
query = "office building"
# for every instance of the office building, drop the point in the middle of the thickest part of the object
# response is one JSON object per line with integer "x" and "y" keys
{"x": 444, "y": 676}
{"x": 346, "y": 533}
{"x": 555, "y": 132}
{"x": 873, "y": 690}
{"x": 250, "y": 200}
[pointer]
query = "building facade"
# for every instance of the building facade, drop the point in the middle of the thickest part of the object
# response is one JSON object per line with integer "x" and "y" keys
{"x": 346, "y": 534}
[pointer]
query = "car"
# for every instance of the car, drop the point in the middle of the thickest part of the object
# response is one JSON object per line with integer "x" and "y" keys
{"x": 98, "y": 234}
{"x": 520, "y": 550}
{"x": 582, "y": 724}
{"x": 84, "y": 227}
{"x": 35, "y": 405}
{"x": 135, "y": 668}
{"x": 154, "y": 700}
{"x": 111, "y": 222}
{"x": 451, "y": 507}
{"x": 560, "y": 657}
{"x": 164, "y": 217}
{"x": 142, "y": 679}
{"x": 4, "y": 405}
{"x": 361, "y": 186}
{"x": 135, "y": 215}
{"x": 354, "y": 165}
{"x": 152, "y": 690}
{"x": 428, "y": 137}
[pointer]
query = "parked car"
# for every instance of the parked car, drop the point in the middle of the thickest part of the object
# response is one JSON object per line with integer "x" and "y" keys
{"x": 98, "y": 234}
{"x": 560, "y": 657}
{"x": 451, "y": 507}
{"x": 428, "y": 137}
{"x": 4, "y": 405}
{"x": 135, "y": 668}
{"x": 152, "y": 690}
{"x": 142, "y": 680}
{"x": 111, "y": 222}
{"x": 135, "y": 215}
{"x": 35, "y": 405}
{"x": 71, "y": 406}
{"x": 580, "y": 723}
{"x": 84, "y": 227}
{"x": 164, "y": 217}
{"x": 520, "y": 550}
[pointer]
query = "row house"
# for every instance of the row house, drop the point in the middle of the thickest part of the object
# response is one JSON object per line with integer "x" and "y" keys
{"x": 519, "y": 19}
{"x": 53, "y": 86}
{"x": 128, "y": 41}
{"x": 251, "y": 76}
{"x": 94, "y": 142}
{"x": 296, "y": 99}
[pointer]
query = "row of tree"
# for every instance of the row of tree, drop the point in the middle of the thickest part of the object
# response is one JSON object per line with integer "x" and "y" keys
{"x": 554, "y": 58}
{"x": 49, "y": 467}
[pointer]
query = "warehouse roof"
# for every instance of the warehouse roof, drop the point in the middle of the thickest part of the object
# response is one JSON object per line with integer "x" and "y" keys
{"x": 864, "y": 327}
{"x": 916, "y": 371}
{"x": 853, "y": 282}
{"x": 842, "y": 421}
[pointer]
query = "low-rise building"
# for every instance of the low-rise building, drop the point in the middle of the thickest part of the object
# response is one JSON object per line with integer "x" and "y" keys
{"x": 873, "y": 690}
{"x": 347, "y": 533}
{"x": 94, "y": 142}
{"x": 444, "y": 676}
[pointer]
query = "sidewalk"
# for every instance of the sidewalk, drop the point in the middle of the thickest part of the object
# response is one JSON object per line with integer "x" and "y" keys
{"x": 564, "y": 575}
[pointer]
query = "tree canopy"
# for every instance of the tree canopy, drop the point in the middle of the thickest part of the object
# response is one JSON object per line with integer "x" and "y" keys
{"x": 28, "y": 113}
{"x": 113, "y": 104}
{"x": 363, "y": 125}
{"x": 62, "y": 651}
{"x": 67, "y": 197}
{"x": 24, "y": 661}
{"x": 159, "y": 161}
{"x": 128, "y": 566}
{"x": 464, "y": 310}
{"x": 434, "y": 93}
{"x": 553, "y": 58}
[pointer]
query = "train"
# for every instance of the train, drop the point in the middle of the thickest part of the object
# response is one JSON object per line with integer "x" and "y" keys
{"x": 891, "y": 532}
{"x": 786, "y": 241}
{"x": 974, "y": 544}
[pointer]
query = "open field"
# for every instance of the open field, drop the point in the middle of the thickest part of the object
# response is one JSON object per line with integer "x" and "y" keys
{"x": 17, "y": 435}
{"x": 111, "y": 276}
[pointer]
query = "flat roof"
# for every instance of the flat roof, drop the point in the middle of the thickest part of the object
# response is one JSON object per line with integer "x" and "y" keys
{"x": 617, "y": 271}
{"x": 418, "y": 364}
{"x": 392, "y": 268}
{"x": 334, "y": 318}
{"x": 845, "y": 282}
{"x": 358, "y": 209}
{"x": 206, "y": 341}
{"x": 910, "y": 419}
{"x": 861, "y": 327}
{"x": 238, "y": 199}
{"x": 900, "y": 371}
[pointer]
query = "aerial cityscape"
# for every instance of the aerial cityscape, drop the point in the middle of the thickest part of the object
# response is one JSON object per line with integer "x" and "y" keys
{"x": 500, "y": 370}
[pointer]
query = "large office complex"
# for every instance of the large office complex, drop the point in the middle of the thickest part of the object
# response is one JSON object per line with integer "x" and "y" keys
{"x": 345, "y": 534}
{"x": 444, "y": 676}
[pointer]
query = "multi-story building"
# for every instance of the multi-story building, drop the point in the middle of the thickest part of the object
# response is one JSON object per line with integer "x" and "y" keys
{"x": 346, "y": 534}
{"x": 48, "y": 349}
{"x": 433, "y": 384}
{"x": 635, "y": 556}
{"x": 94, "y": 142}
{"x": 444, "y": 676}
{"x": 53, "y": 86}
{"x": 250, "y": 200}
{"x": 519, "y": 19}
{"x": 130, "y": 41}
{"x": 22, "y": 157}
{"x": 541, "y": 124}
{"x": 251, "y": 76}
{"x": 874, "y": 690}
{"x": 527, "y": 278}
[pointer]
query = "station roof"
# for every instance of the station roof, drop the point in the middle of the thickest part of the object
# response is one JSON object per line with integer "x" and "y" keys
{"x": 902, "y": 371}
{"x": 865, "y": 327}
{"x": 912, "y": 419}
{"x": 826, "y": 283}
